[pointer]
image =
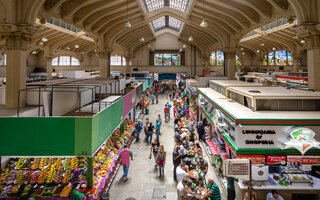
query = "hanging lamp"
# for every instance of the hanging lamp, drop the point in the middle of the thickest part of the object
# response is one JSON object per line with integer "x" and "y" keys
{"x": 127, "y": 24}
{"x": 203, "y": 24}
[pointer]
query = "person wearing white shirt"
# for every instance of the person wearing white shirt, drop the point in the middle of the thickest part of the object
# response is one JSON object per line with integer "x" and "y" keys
{"x": 182, "y": 171}
{"x": 182, "y": 190}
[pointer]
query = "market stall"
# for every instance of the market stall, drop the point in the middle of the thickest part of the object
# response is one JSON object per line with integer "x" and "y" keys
{"x": 283, "y": 147}
{"x": 56, "y": 177}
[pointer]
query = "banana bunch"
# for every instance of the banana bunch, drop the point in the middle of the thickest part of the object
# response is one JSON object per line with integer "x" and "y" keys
{"x": 74, "y": 163}
{"x": 20, "y": 163}
{"x": 51, "y": 174}
{"x": 58, "y": 163}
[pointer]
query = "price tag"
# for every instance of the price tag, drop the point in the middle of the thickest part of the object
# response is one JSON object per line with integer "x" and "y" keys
{"x": 36, "y": 185}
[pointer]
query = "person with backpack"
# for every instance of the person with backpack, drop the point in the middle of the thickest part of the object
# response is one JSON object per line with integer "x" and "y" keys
{"x": 124, "y": 156}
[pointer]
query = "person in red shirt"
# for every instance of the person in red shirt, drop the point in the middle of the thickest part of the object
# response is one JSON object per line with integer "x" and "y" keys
{"x": 166, "y": 111}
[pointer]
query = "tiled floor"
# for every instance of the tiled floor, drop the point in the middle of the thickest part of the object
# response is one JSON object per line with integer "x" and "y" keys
{"x": 144, "y": 182}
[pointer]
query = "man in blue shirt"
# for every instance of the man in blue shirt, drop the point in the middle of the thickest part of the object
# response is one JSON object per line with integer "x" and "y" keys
{"x": 274, "y": 195}
{"x": 169, "y": 106}
{"x": 138, "y": 129}
{"x": 158, "y": 124}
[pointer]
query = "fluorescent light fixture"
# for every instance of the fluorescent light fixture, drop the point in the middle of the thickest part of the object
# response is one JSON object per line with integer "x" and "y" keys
{"x": 204, "y": 24}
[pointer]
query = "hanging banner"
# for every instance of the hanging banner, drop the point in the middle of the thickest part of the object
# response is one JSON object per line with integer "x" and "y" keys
{"x": 129, "y": 101}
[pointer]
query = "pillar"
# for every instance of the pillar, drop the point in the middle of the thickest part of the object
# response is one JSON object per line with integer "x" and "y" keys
{"x": 230, "y": 64}
{"x": 128, "y": 70}
{"x": 206, "y": 61}
{"x": 104, "y": 64}
{"x": 16, "y": 71}
{"x": 313, "y": 43}
{"x": 296, "y": 65}
{"x": 49, "y": 67}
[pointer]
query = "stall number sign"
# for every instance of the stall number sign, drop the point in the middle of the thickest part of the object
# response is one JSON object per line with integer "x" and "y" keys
{"x": 302, "y": 139}
{"x": 276, "y": 160}
{"x": 238, "y": 168}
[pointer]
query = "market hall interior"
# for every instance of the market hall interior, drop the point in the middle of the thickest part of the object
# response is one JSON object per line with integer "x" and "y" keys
{"x": 75, "y": 74}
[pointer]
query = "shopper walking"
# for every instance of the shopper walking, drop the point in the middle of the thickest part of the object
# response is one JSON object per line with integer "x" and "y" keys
{"x": 152, "y": 98}
{"x": 138, "y": 129}
{"x": 157, "y": 97}
{"x": 146, "y": 129}
{"x": 200, "y": 130}
{"x": 159, "y": 118}
{"x": 154, "y": 149}
{"x": 166, "y": 112}
{"x": 158, "y": 124}
{"x": 161, "y": 160}
{"x": 124, "y": 156}
{"x": 169, "y": 108}
{"x": 150, "y": 133}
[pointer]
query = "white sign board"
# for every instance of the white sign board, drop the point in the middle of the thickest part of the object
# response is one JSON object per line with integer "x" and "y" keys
{"x": 238, "y": 168}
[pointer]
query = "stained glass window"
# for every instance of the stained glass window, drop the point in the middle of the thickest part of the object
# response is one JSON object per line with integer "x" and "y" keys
{"x": 157, "y": 59}
{"x": 281, "y": 57}
{"x": 290, "y": 59}
{"x": 265, "y": 60}
{"x": 176, "y": 59}
{"x": 238, "y": 63}
{"x": 166, "y": 59}
{"x": 271, "y": 58}
{"x": 213, "y": 58}
{"x": 220, "y": 58}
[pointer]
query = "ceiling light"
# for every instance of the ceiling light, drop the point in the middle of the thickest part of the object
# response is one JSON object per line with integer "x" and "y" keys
{"x": 149, "y": 45}
{"x": 67, "y": 48}
{"x": 262, "y": 44}
{"x": 95, "y": 50}
{"x": 241, "y": 48}
{"x": 303, "y": 41}
{"x": 273, "y": 48}
{"x": 180, "y": 49}
{"x": 142, "y": 39}
{"x": 34, "y": 52}
{"x": 190, "y": 38}
{"x": 76, "y": 46}
{"x": 295, "y": 37}
{"x": 204, "y": 24}
{"x": 127, "y": 24}
{"x": 258, "y": 51}
{"x": 40, "y": 43}
{"x": 44, "y": 39}
{"x": 243, "y": 53}
{"x": 184, "y": 46}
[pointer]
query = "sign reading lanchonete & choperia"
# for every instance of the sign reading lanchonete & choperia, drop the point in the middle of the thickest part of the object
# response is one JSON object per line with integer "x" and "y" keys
{"x": 259, "y": 136}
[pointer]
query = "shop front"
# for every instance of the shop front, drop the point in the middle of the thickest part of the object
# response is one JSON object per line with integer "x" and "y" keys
{"x": 285, "y": 153}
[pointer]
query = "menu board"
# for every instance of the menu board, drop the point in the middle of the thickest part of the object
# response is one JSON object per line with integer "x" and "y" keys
{"x": 238, "y": 168}
{"x": 305, "y": 160}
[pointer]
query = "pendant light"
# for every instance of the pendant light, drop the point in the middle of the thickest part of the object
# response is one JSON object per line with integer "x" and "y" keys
{"x": 142, "y": 39}
{"x": 190, "y": 38}
{"x": 273, "y": 48}
{"x": 184, "y": 46}
{"x": 44, "y": 39}
{"x": 203, "y": 24}
{"x": 262, "y": 44}
{"x": 127, "y": 24}
{"x": 303, "y": 41}
{"x": 76, "y": 46}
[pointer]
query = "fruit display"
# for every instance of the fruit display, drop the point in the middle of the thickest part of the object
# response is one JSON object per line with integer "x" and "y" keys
{"x": 55, "y": 177}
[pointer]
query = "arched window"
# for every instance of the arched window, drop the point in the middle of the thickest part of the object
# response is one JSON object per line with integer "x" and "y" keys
{"x": 238, "y": 63}
{"x": 279, "y": 58}
{"x": 115, "y": 60}
{"x": 65, "y": 61}
{"x": 3, "y": 59}
{"x": 217, "y": 58}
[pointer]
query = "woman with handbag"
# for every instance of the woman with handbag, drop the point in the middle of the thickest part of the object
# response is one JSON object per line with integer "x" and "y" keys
{"x": 154, "y": 149}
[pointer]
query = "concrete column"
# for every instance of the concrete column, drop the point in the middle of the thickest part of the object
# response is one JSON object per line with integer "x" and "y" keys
{"x": 296, "y": 65}
{"x": 128, "y": 70}
{"x": 16, "y": 71}
{"x": 206, "y": 61}
{"x": 314, "y": 66}
{"x": 104, "y": 64}
{"x": 49, "y": 67}
{"x": 231, "y": 64}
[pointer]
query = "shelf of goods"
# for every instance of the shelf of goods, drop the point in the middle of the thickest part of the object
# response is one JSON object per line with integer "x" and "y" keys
{"x": 56, "y": 177}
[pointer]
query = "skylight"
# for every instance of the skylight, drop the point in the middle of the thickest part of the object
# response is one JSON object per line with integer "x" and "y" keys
{"x": 153, "y": 4}
{"x": 180, "y": 5}
{"x": 166, "y": 22}
{"x": 159, "y": 23}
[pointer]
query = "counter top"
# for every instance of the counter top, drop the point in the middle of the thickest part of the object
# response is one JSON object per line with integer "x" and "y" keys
{"x": 293, "y": 186}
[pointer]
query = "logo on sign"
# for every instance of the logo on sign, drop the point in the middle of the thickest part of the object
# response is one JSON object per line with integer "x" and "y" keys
{"x": 302, "y": 139}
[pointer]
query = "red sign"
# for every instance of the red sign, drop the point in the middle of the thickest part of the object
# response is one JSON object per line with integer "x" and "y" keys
{"x": 255, "y": 159}
{"x": 306, "y": 160}
{"x": 276, "y": 160}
